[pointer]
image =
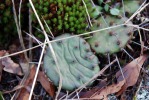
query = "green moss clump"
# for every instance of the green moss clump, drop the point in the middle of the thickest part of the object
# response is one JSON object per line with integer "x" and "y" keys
{"x": 7, "y": 24}
{"x": 62, "y": 15}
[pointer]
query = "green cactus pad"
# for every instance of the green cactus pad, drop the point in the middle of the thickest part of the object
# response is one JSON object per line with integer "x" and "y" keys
{"x": 110, "y": 40}
{"x": 77, "y": 63}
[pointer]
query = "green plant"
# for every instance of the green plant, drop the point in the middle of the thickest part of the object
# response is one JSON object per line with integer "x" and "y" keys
{"x": 110, "y": 6}
{"x": 110, "y": 40}
{"x": 77, "y": 63}
{"x": 62, "y": 15}
{"x": 7, "y": 24}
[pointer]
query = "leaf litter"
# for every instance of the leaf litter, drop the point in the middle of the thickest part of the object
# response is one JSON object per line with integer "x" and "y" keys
{"x": 131, "y": 73}
{"x": 9, "y": 65}
{"x": 47, "y": 85}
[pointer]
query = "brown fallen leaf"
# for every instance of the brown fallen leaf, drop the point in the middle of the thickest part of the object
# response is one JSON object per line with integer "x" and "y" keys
{"x": 2, "y": 53}
{"x": 102, "y": 95}
{"x": 24, "y": 93}
{"x": 91, "y": 92}
{"x": 131, "y": 73}
{"x": 47, "y": 85}
{"x": 10, "y": 66}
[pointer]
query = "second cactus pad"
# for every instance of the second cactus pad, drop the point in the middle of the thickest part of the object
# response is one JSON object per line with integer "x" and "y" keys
{"x": 76, "y": 62}
{"x": 110, "y": 40}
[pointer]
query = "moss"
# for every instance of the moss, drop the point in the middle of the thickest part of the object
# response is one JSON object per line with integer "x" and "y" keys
{"x": 62, "y": 15}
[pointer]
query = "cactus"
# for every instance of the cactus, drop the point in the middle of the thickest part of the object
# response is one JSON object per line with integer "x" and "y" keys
{"x": 62, "y": 15}
{"x": 77, "y": 63}
{"x": 110, "y": 40}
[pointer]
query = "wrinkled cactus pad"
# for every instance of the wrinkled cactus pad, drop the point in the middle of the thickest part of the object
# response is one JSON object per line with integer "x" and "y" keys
{"x": 76, "y": 62}
{"x": 110, "y": 40}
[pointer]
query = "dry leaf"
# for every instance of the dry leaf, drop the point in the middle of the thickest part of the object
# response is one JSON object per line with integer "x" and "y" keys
{"x": 94, "y": 90}
{"x": 10, "y": 66}
{"x": 131, "y": 73}
{"x": 108, "y": 90}
{"x": 24, "y": 94}
{"x": 25, "y": 67}
{"x": 2, "y": 53}
{"x": 47, "y": 85}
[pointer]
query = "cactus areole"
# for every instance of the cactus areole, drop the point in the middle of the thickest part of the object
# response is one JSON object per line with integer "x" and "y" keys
{"x": 77, "y": 64}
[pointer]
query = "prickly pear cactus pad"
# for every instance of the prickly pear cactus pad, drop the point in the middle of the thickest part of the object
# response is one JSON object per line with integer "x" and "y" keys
{"x": 110, "y": 40}
{"x": 77, "y": 63}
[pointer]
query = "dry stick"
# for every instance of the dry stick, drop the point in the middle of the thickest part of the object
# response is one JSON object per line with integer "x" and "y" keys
{"x": 19, "y": 30}
{"x": 42, "y": 32}
{"x": 89, "y": 18}
{"x": 33, "y": 37}
{"x": 37, "y": 70}
{"x": 141, "y": 41}
{"x": 20, "y": 13}
{"x": 52, "y": 51}
{"x": 14, "y": 89}
{"x": 140, "y": 45}
{"x": 109, "y": 60}
{"x": 48, "y": 28}
{"x": 133, "y": 59}
{"x": 18, "y": 25}
{"x": 120, "y": 67}
{"x": 78, "y": 96}
{"x": 62, "y": 39}
{"x": 94, "y": 77}
{"x": 138, "y": 27}
{"x": 138, "y": 11}
{"x": 30, "y": 31}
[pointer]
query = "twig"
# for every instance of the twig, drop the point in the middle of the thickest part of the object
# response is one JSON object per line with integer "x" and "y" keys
{"x": 52, "y": 51}
{"x": 89, "y": 18}
{"x": 138, "y": 11}
{"x": 30, "y": 31}
{"x": 37, "y": 70}
{"x": 19, "y": 30}
{"x": 63, "y": 39}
